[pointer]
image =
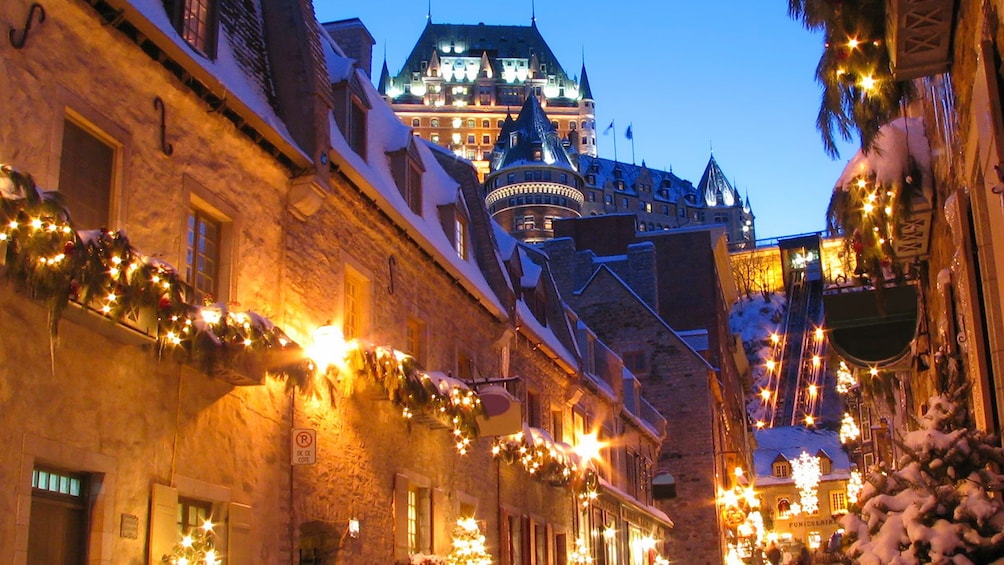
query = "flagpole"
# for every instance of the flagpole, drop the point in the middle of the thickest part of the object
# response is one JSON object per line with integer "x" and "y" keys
{"x": 631, "y": 137}
{"x": 612, "y": 126}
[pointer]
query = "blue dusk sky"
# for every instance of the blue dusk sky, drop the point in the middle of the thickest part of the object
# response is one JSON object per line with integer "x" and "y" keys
{"x": 735, "y": 77}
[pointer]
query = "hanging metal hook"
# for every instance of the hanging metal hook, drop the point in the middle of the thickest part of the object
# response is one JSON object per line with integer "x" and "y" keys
{"x": 18, "y": 43}
{"x": 166, "y": 147}
{"x": 392, "y": 267}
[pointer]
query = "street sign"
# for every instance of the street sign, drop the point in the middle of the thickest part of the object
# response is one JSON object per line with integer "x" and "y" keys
{"x": 304, "y": 447}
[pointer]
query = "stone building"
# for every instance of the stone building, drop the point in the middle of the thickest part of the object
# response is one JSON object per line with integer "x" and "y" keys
{"x": 657, "y": 299}
{"x": 248, "y": 178}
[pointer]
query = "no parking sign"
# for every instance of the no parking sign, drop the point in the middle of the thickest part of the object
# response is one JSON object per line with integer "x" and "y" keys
{"x": 304, "y": 446}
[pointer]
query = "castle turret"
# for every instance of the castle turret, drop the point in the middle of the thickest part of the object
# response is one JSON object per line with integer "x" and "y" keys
{"x": 532, "y": 180}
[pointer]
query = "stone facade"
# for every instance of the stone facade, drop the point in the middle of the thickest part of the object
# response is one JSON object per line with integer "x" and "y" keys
{"x": 311, "y": 234}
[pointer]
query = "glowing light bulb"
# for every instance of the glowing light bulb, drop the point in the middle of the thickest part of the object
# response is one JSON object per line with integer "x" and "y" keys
{"x": 868, "y": 82}
{"x": 765, "y": 394}
{"x": 853, "y": 43}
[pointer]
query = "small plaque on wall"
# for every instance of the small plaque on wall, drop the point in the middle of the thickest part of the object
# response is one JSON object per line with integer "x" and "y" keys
{"x": 129, "y": 527}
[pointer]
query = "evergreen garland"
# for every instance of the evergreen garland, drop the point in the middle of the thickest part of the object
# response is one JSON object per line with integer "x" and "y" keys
{"x": 859, "y": 91}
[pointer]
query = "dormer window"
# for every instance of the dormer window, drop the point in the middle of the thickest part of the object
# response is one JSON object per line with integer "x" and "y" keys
{"x": 195, "y": 21}
{"x": 350, "y": 108}
{"x": 782, "y": 469}
{"x": 406, "y": 168}
{"x": 513, "y": 139}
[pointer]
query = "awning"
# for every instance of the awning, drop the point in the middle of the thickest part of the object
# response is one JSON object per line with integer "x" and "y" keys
{"x": 871, "y": 328}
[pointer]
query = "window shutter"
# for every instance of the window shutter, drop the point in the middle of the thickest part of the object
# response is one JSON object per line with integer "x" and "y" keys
{"x": 442, "y": 530}
{"x": 505, "y": 539}
{"x": 239, "y": 540}
{"x": 525, "y": 540}
{"x": 163, "y": 521}
{"x": 400, "y": 517}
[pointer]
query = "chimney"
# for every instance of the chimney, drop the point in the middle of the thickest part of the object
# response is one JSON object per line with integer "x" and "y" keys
{"x": 355, "y": 40}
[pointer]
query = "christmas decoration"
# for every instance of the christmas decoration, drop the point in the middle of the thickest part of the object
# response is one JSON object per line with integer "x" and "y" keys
{"x": 859, "y": 92}
{"x": 944, "y": 502}
{"x": 805, "y": 473}
{"x": 195, "y": 548}
{"x": 101, "y": 270}
{"x": 468, "y": 544}
{"x": 551, "y": 462}
{"x": 849, "y": 430}
{"x": 580, "y": 554}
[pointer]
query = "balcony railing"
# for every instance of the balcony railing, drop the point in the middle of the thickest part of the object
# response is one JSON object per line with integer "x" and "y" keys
{"x": 919, "y": 35}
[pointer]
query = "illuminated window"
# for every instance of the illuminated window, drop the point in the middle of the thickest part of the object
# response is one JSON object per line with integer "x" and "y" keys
{"x": 415, "y": 122}
{"x": 838, "y": 501}
{"x": 192, "y": 513}
{"x": 486, "y": 123}
{"x": 418, "y": 519}
{"x": 202, "y": 255}
{"x": 557, "y": 425}
{"x": 460, "y": 236}
{"x": 783, "y": 508}
{"x": 781, "y": 469}
{"x": 434, "y": 122}
{"x": 195, "y": 20}
{"x": 470, "y": 123}
{"x": 86, "y": 172}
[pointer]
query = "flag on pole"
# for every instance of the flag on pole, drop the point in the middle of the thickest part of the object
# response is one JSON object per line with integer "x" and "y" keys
{"x": 610, "y": 127}
{"x": 629, "y": 134}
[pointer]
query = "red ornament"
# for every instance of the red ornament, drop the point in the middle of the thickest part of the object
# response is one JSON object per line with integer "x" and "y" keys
{"x": 165, "y": 302}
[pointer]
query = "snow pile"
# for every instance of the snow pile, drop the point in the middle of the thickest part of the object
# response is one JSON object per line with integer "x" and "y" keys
{"x": 898, "y": 143}
{"x": 754, "y": 320}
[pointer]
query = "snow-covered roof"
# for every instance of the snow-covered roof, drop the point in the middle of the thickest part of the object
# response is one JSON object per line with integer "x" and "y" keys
{"x": 236, "y": 78}
{"x": 386, "y": 133}
{"x": 789, "y": 442}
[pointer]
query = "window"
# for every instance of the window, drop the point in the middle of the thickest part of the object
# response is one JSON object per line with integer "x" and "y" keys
{"x": 514, "y": 541}
{"x": 434, "y": 122}
{"x": 608, "y": 199}
{"x": 350, "y": 108}
{"x": 783, "y": 508}
{"x": 86, "y": 173}
{"x": 416, "y": 122}
{"x": 486, "y": 139}
{"x": 470, "y": 123}
{"x": 355, "y": 308}
{"x": 634, "y": 361}
{"x": 625, "y": 203}
{"x": 415, "y": 339}
{"x": 58, "y": 504}
{"x": 470, "y": 139}
{"x": 557, "y": 425}
{"x": 838, "y": 502}
{"x": 434, "y": 138}
{"x": 193, "y": 513}
{"x": 486, "y": 123}
{"x": 407, "y": 169}
{"x": 533, "y": 415}
{"x": 202, "y": 254}
{"x": 460, "y": 237}
{"x": 539, "y": 544}
{"x": 781, "y": 469}
{"x": 195, "y": 21}
{"x": 548, "y": 222}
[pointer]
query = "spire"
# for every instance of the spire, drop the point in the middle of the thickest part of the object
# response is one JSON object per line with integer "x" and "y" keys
{"x": 533, "y": 13}
{"x": 715, "y": 186}
{"x": 585, "y": 92}
{"x": 746, "y": 207}
{"x": 428, "y": 14}
{"x": 384, "y": 81}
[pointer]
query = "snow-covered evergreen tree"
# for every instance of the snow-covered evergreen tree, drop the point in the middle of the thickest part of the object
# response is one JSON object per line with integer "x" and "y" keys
{"x": 944, "y": 502}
